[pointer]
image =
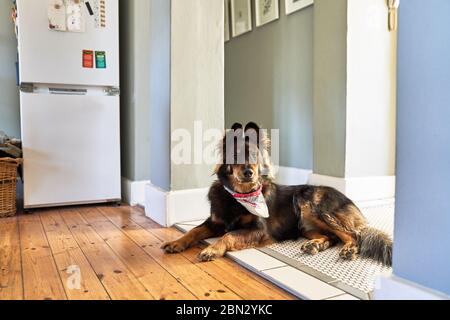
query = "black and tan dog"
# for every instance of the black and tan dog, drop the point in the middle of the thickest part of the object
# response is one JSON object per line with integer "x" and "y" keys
{"x": 322, "y": 215}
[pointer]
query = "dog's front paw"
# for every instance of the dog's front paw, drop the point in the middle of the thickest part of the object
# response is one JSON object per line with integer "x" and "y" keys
{"x": 209, "y": 254}
{"x": 313, "y": 247}
{"x": 174, "y": 247}
{"x": 349, "y": 252}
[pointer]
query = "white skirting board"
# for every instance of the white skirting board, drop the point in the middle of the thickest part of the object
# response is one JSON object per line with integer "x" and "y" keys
{"x": 171, "y": 207}
{"x": 359, "y": 189}
{"x": 133, "y": 192}
{"x": 396, "y": 288}
{"x": 292, "y": 176}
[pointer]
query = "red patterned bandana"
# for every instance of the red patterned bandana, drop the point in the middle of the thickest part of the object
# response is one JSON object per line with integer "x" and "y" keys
{"x": 254, "y": 202}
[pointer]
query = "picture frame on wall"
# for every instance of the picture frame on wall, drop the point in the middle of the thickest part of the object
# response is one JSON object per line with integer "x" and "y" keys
{"x": 227, "y": 20}
{"x": 266, "y": 11}
{"x": 241, "y": 17}
{"x": 296, "y": 5}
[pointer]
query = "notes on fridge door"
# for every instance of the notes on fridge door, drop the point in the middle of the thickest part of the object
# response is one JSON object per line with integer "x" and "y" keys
{"x": 102, "y": 13}
{"x": 57, "y": 15}
{"x": 99, "y": 11}
{"x": 75, "y": 16}
{"x": 66, "y": 15}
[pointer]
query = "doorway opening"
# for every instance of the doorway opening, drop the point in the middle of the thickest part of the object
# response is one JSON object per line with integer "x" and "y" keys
{"x": 325, "y": 77}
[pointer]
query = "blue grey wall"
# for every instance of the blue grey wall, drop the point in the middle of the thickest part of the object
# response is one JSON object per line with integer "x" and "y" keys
{"x": 9, "y": 94}
{"x": 159, "y": 89}
{"x": 145, "y": 83}
{"x": 422, "y": 235}
{"x": 135, "y": 97}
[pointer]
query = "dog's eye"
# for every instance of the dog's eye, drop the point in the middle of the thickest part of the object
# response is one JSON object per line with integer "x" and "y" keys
{"x": 229, "y": 169}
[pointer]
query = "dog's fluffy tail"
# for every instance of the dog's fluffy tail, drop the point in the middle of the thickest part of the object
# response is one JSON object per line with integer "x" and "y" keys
{"x": 376, "y": 245}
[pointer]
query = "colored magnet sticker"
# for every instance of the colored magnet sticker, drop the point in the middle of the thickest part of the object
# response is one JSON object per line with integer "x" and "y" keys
{"x": 100, "y": 59}
{"x": 88, "y": 59}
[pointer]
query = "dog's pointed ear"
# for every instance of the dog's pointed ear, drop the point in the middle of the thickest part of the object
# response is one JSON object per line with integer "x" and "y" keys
{"x": 222, "y": 168}
{"x": 252, "y": 130}
{"x": 261, "y": 135}
{"x": 237, "y": 126}
{"x": 236, "y": 132}
{"x": 252, "y": 126}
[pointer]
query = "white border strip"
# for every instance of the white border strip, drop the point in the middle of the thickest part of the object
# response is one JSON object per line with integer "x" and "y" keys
{"x": 133, "y": 192}
{"x": 188, "y": 205}
{"x": 265, "y": 266}
{"x": 169, "y": 208}
{"x": 292, "y": 176}
{"x": 396, "y": 288}
{"x": 359, "y": 189}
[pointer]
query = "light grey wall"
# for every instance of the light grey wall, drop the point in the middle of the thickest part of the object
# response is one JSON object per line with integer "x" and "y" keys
{"x": 135, "y": 82}
{"x": 197, "y": 79}
{"x": 269, "y": 79}
{"x": 9, "y": 93}
{"x": 422, "y": 234}
{"x": 330, "y": 80}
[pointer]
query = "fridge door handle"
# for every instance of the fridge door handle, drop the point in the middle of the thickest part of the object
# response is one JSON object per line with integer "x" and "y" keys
{"x": 26, "y": 87}
{"x": 67, "y": 91}
{"x": 113, "y": 91}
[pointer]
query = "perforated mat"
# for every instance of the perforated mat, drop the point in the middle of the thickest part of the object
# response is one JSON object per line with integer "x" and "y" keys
{"x": 356, "y": 277}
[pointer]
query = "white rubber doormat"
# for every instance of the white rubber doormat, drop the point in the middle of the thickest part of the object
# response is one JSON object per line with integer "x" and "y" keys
{"x": 355, "y": 277}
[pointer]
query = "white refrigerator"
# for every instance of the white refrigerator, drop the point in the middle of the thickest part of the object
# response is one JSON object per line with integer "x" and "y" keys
{"x": 70, "y": 101}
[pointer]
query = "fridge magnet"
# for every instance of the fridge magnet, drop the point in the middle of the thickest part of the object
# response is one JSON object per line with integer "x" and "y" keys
{"x": 89, "y": 8}
{"x": 74, "y": 16}
{"x": 100, "y": 59}
{"x": 57, "y": 15}
{"x": 266, "y": 11}
{"x": 88, "y": 59}
{"x": 295, "y": 5}
{"x": 241, "y": 17}
{"x": 103, "y": 13}
{"x": 227, "y": 20}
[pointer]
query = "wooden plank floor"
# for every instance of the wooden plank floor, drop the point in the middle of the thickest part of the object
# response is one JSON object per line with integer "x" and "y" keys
{"x": 102, "y": 253}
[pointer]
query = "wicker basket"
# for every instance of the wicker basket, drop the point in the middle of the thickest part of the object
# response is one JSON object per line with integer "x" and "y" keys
{"x": 8, "y": 182}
